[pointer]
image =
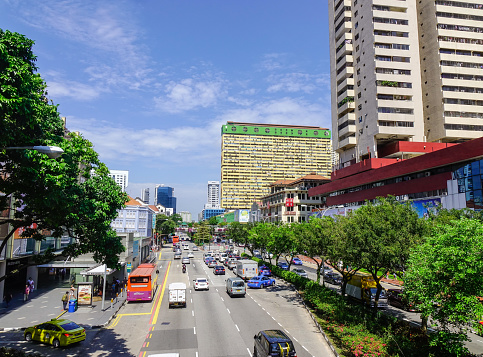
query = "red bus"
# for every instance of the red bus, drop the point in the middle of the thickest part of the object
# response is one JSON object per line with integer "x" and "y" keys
{"x": 142, "y": 283}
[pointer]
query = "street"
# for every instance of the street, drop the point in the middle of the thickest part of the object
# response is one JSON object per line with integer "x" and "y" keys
{"x": 212, "y": 324}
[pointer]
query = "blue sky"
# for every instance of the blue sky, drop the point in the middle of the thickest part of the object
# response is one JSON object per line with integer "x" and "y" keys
{"x": 150, "y": 82}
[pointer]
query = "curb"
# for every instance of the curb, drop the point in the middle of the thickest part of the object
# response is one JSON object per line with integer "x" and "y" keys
{"x": 110, "y": 319}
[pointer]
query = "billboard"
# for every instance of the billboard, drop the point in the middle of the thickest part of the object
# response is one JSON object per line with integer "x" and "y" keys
{"x": 243, "y": 216}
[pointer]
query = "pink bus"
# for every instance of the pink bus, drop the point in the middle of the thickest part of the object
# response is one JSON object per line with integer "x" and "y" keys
{"x": 142, "y": 282}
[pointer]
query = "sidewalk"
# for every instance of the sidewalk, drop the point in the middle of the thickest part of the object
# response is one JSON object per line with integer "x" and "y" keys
{"x": 45, "y": 304}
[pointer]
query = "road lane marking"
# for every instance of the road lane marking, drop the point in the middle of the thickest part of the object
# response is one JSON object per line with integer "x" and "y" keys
{"x": 194, "y": 330}
{"x": 249, "y": 352}
{"x": 154, "y": 318}
{"x": 221, "y": 298}
{"x": 192, "y": 313}
{"x": 228, "y": 311}
{"x": 305, "y": 348}
{"x": 237, "y": 327}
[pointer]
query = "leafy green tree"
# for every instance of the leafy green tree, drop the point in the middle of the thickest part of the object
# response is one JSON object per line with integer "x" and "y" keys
{"x": 213, "y": 221}
{"x": 260, "y": 236}
{"x": 203, "y": 233}
{"x": 383, "y": 234}
{"x": 315, "y": 237}
{"x": 342, "y": 251}
{"x": 281, "y": 241}
{"x": 73, "y": 193}
{"x": 238, "y": 233}
{"x": 444, "y": 277}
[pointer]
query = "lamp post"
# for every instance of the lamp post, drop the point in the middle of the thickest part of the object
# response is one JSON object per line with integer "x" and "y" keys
{"x": 52, "y": 152}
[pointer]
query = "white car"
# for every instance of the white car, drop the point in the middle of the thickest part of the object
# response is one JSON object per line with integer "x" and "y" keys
{"x": 191, "y": 255}
{"x": 195, "y": 248}
{"x": 201, "y": 284}
{"x": 186, "y": 247}
{"x": 185, "y": 260}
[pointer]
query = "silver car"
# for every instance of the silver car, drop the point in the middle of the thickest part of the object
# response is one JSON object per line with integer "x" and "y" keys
{"x": 300, "y": 272}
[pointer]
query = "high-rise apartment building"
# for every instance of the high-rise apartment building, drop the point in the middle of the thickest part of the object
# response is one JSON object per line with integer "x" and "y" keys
{"x": 145, "y": 195}
{"x": 121, "y": 177}
{"x": 451, "y": 49}
{"x": 214, "y": 193}
{"x": 255, "y": 155}
{"x": 163, "y": 195}
{"x": 404, "y": 71}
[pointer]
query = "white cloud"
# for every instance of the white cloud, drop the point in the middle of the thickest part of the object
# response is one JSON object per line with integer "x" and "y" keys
{"x": 272, "y": 61}
{"x": 107, "y": 32}
{"x": 75, "y": 90}
{"x": 293, "y": 82}
{"x": 189, "y": 94}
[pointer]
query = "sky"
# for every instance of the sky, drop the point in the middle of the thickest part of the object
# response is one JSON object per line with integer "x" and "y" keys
{"x": 151, "y": 82}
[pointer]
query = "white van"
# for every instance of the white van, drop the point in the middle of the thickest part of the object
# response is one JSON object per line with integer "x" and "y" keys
{"x": 223, "y": 256}
{"x": 246, "y": 269}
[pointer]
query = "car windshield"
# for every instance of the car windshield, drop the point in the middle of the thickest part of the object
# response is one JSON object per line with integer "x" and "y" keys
{"x": 201, "y": 280}
{"x": 70, "y": 326}
{"x": 238, "y": 284}
{"x": 374, "y": 291}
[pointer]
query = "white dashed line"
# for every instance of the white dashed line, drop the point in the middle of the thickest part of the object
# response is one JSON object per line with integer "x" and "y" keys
{"x": 305, "y": 348}
{"x": 192, "y": 313}
{"x": 228, "y": 311}
{"x": 194, "y": 330}
{"x": 237, "y": 328}
{"x": 249, "y": 352}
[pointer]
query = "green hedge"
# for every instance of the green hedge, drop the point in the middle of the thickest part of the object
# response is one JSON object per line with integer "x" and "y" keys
{"x": 354, "y": 329}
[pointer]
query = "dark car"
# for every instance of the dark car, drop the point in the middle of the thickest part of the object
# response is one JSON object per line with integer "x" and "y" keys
{"x": 333, "y": 278}
{"x": 395, "y": 298}
{"x": 264, "y": 270}
{"x": 219, "y": 270}
{"x": 283, "y": 265}
{"x": 273, "y": 343}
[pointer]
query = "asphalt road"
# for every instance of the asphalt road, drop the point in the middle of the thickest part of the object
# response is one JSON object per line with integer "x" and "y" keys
{"x": 212, "y": 324}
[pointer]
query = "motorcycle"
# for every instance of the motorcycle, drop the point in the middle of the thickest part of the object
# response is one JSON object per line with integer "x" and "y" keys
{"x": 184, "y": 268}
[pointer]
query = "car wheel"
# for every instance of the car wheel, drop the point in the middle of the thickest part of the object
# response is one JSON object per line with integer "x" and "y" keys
{"x": 28, "y": 337}
{"x": 56, "y": 343}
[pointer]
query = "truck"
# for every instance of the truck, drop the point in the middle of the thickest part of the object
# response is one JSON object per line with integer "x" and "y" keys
{"x": 177, "y": 294}
{"x": 246, "y": 269}
{"x": 363, "y": 288}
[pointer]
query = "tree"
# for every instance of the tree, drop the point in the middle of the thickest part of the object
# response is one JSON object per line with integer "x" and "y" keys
{"x": 383, "y": 234}
{"x": 342, "y": 251}
{"x": 73, "y": 193}
{"x": 315, "y": 238}
{"x": 213, "y": 221}
{"x": 444, "y": 277}
{"x": 282, "y": 240}
{"x": 203, "y": 233}
{"x": 260, "y": 236}
{"x": 238, "y": 233}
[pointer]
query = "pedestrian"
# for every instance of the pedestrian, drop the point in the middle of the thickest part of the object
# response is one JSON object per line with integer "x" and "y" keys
{"x": 62, "y": 272}
{"x": 118, "y": 283}
{"x": 124, "y": 283}
{"x": 32, "y": 286}
{"x": 7, "y": 298}
{"x": 113, "y": 289}
{"x": 65, "y": 300}
{"x": 72, "y": 292}
{"x": 26, "y": 292}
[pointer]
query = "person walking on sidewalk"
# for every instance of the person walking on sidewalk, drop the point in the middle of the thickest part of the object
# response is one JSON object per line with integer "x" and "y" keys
{"x": 72, "y": 292}
{"x": 31, "y": 284}
{"x": 26, "y": 292}
{"x": 7, "y": 298}
{"x": 65, "y": 299}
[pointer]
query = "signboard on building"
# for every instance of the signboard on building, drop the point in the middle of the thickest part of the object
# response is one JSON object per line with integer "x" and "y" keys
{"x": 243, "y": 216}
{"x": 128, "y": 267}
{"x": 289, "y": 202}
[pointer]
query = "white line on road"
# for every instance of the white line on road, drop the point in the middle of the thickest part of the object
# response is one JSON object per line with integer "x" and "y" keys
{"x": 191, "y": 300}
{"x": 216, "y": 289}
{"x": 194, "y": 330}
{"x": 221, "y": 297}
{"x": 237, "y": 327}
{"x": 305, "y": 348}
{"x": 228, "y": 311}
{"x": 280, "y": 324}
{"x": 249, "y": 352}
{"x": 196, "y": 354}
{"x": 192, "y": 313}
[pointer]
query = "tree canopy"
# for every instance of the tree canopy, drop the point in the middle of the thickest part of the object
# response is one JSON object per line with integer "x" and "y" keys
{"x": 72, "y": 195}
{"x": 445, "y": 276}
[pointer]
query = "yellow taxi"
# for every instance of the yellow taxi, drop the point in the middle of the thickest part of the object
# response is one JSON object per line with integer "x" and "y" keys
{"x": 57, "y": 333}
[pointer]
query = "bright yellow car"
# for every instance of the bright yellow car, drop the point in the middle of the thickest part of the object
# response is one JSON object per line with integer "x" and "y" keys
{"x": 60, "y": 332}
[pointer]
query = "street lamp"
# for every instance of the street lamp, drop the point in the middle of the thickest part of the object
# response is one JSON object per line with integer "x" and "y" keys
{"x": 52, "y": 152}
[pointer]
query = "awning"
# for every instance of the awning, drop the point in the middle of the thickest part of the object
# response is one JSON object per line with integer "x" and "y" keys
{"x": 98, "y": 270}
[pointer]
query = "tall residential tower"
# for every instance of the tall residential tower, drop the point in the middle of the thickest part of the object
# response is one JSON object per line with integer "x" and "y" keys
{"x": 404, "y": 71}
